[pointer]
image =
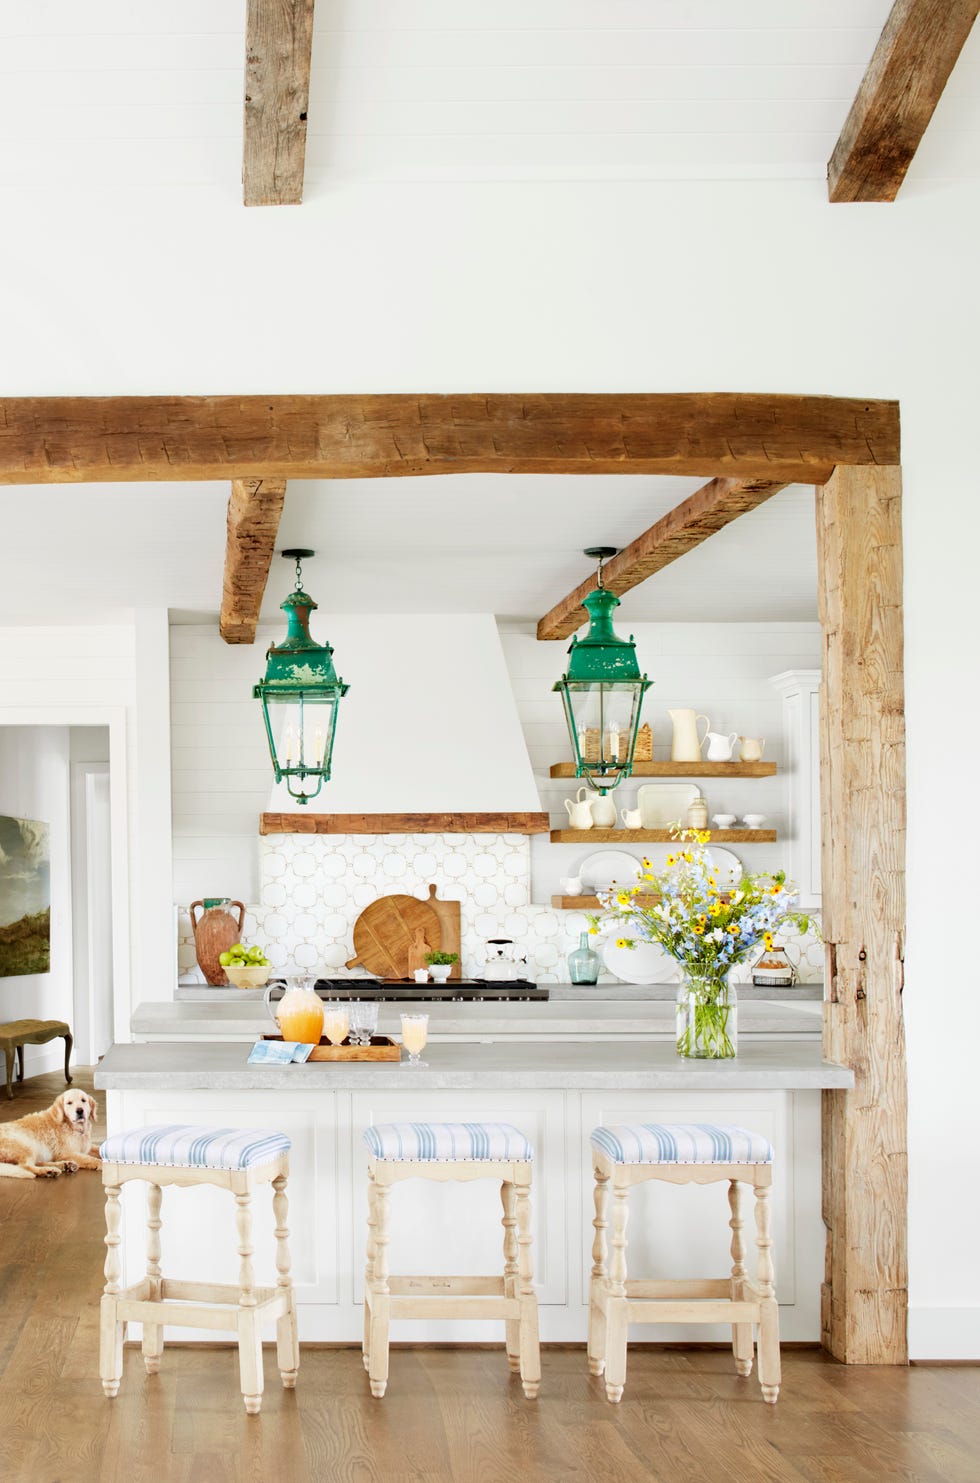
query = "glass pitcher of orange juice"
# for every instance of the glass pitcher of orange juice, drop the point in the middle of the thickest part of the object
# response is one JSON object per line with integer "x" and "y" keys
{"x": 298, "y": 1015}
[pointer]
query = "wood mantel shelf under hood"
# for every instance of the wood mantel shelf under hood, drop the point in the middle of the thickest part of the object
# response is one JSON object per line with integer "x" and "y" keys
{"x": 445, "y": 823}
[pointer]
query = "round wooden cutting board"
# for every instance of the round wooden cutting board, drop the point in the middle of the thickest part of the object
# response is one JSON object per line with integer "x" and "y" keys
{"x": 385, "y": 931}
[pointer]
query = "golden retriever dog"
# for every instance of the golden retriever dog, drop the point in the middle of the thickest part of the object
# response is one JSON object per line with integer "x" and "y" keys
{"x": 55, "y": 1141}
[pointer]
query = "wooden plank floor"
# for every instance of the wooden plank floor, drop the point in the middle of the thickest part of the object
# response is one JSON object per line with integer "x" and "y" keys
{"x": 450, "y": 1416}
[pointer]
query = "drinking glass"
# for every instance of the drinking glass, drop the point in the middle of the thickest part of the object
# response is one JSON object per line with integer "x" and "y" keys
{"x": 336, "y": 1022}
{"x": 415, "y": 1033}
{"x": 363, "y": 1021}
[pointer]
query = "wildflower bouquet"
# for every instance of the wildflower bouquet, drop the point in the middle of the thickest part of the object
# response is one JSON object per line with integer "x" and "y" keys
{"x": 706, "y": 930}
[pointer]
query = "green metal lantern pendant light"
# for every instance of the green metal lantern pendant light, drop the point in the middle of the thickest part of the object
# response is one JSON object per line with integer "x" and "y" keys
{"x": 300, "y": 695}
{"x": 603, "y": 691}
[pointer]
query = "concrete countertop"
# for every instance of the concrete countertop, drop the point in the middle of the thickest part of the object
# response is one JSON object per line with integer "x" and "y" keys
{"x": 198, "y": 993}
{"x": 513, "y": 1021}
{"x": 623, "y": 1065}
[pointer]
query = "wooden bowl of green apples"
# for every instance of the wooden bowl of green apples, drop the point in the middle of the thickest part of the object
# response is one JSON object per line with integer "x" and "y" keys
{"x": 246, "y": 967}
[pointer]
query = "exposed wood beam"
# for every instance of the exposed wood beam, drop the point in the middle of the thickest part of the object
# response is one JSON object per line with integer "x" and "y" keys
{"x": 278, "y": 43}
{"x": 254, "y": 511}
{"x": 681, "y": 529}
{"x": 916, "y": 52}
{"x": 789, "y": 439}
{"x": 862, "y": 786}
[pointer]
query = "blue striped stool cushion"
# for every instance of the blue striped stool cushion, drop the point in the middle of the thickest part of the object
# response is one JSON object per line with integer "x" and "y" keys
{"x": 186, "y": 1146}
{"x": 681, "y": 1143}
{"x": 447, "y": 1142}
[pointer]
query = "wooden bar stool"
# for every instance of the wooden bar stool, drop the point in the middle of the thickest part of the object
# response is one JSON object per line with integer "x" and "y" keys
{"x": 681, "y": 1153}
{"x": 458, "y": 1151}
{"x": 235, "y": 1159}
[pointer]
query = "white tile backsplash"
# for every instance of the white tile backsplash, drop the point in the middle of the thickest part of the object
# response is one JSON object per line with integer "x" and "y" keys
{"x": 314, "y": 887}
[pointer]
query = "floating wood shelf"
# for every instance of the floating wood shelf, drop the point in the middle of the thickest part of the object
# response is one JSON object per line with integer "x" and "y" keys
{"x": 658, "y": 836}
{"x": 403, "y": 823}
{"x": 592, "y": 903}
{"x": 684, "y": 769}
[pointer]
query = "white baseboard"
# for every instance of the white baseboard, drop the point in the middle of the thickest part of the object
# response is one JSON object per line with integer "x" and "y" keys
{"x": 944, "y": 1333}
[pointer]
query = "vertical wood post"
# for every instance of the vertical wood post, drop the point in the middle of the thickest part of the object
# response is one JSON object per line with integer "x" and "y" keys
{"x": 865, "y": 1175}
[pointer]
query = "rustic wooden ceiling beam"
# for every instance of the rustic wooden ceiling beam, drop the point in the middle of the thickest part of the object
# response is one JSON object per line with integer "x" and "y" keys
{"x": 784, "y": 439}
{"x": 916, "y": 52}
{"x": 278, "y": 45}
{"x": 681, "y": 529}
{"x": 254, "y": 511}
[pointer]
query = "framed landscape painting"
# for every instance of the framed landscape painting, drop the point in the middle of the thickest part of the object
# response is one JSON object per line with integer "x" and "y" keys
{"x": 25, "y": 897}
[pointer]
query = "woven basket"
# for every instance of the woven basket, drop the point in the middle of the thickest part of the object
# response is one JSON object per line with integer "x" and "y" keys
{"x": 644, "y": 744}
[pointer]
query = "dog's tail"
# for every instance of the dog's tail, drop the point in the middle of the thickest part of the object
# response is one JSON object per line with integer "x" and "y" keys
{"x": 14, "y": 1171}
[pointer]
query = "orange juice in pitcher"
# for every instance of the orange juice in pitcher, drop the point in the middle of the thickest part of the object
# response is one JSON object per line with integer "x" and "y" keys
{"x": 299, "y": 1015}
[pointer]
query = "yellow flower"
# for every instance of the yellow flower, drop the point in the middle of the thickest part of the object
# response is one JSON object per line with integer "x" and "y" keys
{"x": 623, "y": 942}
{"x": 647, "y": 864}
{"x": 702, "y": 918}
{"x": 624, "y": 898}
{"x": 735, "y": 929}
{"x": 767, "y": 939}
{"x": 688, "y": 856}
{"x": 671, "y": 860}
{"x": 593, "y": 931}
{"x": 647, "y": 876}
{"x": 717, "y": 907}
{"x": 712, "y": 883}
{"x": 697, "y": 929}
{"x": 703, "y": 835}
{"x": 777, "y": 890}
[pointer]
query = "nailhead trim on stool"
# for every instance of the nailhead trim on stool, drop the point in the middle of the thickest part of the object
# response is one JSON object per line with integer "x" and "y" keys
{"x": 681, "y": 1143}
{"x": 447, "y": 1142}
{"x": 189, "y": 1146}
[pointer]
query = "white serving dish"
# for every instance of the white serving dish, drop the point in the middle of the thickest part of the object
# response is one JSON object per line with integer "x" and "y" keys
{"x": 663, "y": 804}
{"x": 647, "y": 963}
{"x": 608, "y": 867}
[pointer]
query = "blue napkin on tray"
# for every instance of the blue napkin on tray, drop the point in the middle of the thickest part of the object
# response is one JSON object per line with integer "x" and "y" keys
{"x": 278, "y": 1052}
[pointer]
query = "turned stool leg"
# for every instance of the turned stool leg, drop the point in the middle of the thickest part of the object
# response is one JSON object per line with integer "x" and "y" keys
{"x": 508, "y": 1199}
{"x": 287, "y": 1333}
{"x": 369, "y": 1267}
{"x": 249, "y": 1332}
{"x": 380, "y": 1300}
{"x": 742, "y": 1341}
{"x": 600, "y": 1274}
{"x": 530, "y": 1348}
{"x": 769, "y": 1366}
{"x": 153, "y": 1332}
{"x": 616, "y": 1309}
{"x": 111, "y": 1331}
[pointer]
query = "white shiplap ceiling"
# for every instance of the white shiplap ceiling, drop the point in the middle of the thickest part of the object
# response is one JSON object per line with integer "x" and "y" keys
{"x": 509, "y": 545}
{"x": 150, "y": 93}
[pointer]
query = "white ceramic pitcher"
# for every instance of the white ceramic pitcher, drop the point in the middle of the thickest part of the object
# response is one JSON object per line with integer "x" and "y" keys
{"x": 720, "y": 747}
{"x": 579, "y": 812}
{"x": 752, "y": 748}
{"x": 686, "y": 744}
{"x": 603, "y": 811}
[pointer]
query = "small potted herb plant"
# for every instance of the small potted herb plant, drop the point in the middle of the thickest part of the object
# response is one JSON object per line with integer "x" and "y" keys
{"x": 441, "y": 965}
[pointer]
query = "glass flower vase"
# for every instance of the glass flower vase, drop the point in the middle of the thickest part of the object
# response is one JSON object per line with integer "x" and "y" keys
{"x": 707, "y": 1017}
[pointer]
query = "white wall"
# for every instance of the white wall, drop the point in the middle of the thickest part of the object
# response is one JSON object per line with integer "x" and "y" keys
{"x": 728, "y": 285}
{"x": 34, "y": 784}
{"x": 429, "y": 724}
{"x": 114, "y": 674}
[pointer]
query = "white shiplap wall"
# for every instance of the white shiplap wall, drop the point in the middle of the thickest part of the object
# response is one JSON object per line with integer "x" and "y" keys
{"x": 721, "y": 669}
{"x": 494, "y": 89}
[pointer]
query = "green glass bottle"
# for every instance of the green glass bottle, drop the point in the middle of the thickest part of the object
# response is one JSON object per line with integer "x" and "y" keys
{"x": 583, "y": 963}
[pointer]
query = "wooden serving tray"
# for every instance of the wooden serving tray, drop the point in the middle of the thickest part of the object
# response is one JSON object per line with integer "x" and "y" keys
{"x": 382, "y": 1048}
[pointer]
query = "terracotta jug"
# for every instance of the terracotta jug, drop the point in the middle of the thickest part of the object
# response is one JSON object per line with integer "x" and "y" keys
{"x": 215, "y": 931}
{"x": 686, "y": 744}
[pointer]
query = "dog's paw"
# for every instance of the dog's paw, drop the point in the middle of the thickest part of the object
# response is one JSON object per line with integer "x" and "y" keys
{"x": 50, "y": 1172}
{"x": 69, "y": 1166}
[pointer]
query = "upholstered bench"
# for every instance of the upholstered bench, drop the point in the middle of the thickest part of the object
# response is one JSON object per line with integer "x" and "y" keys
{"x": 235, "y": 1159}
{"x": 457, "y": 1151}
{"x": 18, "y": 1033}
{"x": 681, "y": 1153}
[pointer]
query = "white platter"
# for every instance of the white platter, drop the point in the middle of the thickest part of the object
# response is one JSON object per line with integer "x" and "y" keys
{"x": 728, "y": 867}
{"x": 647, "y": 963}
{"x": 663, "y": 804}
{"x": 599, "y": 871}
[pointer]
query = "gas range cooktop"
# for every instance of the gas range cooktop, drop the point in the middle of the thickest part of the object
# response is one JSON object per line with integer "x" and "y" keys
{"x": 463, "y": 990}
